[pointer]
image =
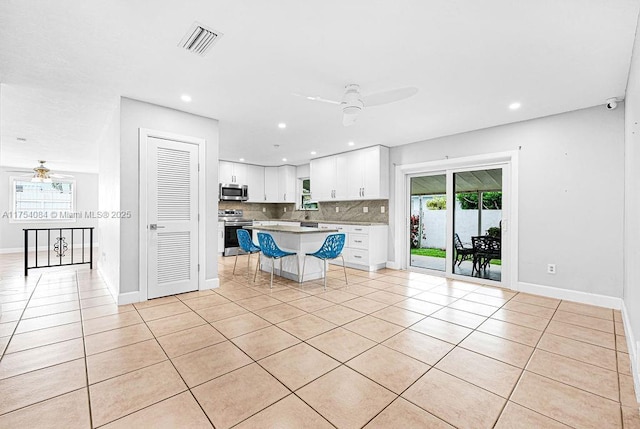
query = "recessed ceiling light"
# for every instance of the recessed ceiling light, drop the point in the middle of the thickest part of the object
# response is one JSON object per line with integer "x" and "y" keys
{"x": 514, "y": 106}
{"x": 241, "y": 159}
{"x": 284, "y": 159}
{"x": 313, "y": 152}
{"x": 282, "y": 125}
{"x": 351, "y": 143}
{"x": 186, "y": 98}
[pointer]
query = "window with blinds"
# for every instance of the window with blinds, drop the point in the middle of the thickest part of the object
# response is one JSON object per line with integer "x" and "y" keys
{"x": 39, "y": 201}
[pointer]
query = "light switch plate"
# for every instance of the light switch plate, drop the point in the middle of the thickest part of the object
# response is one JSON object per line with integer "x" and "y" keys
{"x": 381, "y": 209}
{"x": 337, "y": 209}
{"x": 264, "y": 209}
{"x": 365, "y": 209}
{"x": 285, "y": 209}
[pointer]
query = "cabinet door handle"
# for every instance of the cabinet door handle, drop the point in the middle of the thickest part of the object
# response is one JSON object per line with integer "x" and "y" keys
{"x": 285, "y": 196}
{"x": 358, "y": 241}
{"x": 357, "y": 257}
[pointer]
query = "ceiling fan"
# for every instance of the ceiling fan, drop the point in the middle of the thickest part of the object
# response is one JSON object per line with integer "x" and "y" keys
{"x": 42, "y": 174}
{"x": 353, "y": 102}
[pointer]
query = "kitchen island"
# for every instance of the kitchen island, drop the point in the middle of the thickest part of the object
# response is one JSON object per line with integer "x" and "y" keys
{"x": 299, "y": 240}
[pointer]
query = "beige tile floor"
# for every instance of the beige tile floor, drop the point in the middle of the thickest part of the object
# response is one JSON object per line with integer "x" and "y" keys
{"x": 392, "y": 349}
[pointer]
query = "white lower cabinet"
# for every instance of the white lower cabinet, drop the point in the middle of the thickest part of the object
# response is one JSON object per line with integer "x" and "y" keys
{"x": 365, "y": 246}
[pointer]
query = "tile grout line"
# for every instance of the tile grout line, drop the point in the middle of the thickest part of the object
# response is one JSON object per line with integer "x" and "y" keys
{"x": 524, "y": 368}
{"x": 4, "y": 352}
{"x": 84, "y": 347}
{"x": 444, "y": 356}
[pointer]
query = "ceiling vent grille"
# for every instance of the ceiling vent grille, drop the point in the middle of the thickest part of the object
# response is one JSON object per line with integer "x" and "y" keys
{"x": 199, "y": 39}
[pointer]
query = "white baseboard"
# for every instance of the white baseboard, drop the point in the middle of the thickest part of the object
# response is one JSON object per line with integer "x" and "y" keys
{"x": 392, "y": 265}
{"x": 211, "y": 283}
{"x": 111, "y": 288}
{"x": 632, "y": 347}
{"x": 572, "y": 295}
{"x": 128, "y": 297}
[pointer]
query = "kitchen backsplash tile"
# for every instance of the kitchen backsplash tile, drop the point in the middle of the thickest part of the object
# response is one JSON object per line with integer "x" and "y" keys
{"x": 351, "y": 211}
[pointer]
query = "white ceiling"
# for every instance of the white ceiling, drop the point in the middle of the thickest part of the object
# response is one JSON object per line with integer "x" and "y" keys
{"x": 64, "y": 64}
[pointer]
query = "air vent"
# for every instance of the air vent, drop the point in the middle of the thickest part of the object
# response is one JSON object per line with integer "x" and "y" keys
{"x": 199, "y": 39}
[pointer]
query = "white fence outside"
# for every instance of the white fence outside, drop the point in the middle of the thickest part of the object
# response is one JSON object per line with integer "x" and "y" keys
{"x": 433, "y": 231}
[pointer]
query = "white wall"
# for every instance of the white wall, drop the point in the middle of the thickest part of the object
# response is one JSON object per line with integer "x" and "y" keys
{"x": 567, "y": 162}
{"x": 303, "y": 171}
{"x": 109, "y": 191}
{"x": 632, "y": 212}
{"x": 12, "y": 235}
{"x": 134, "y": 115}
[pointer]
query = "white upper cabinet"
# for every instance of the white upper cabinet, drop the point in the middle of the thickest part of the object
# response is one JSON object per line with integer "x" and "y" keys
{"x": 255, "y": 183}
{"x": 280, "y": 184}
{"x": 287, "y": 183}
{"x": 323, "y": 178}
{"x": 271, "y": 184}
{"x": 358, "y": 175}
{"x": 232, "y": 172}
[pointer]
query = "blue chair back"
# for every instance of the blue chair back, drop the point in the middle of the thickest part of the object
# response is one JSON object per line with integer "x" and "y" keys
{"x": 332, "y": 247}
{"x": 245, "y": 241}
{"x": 269, "y": 247}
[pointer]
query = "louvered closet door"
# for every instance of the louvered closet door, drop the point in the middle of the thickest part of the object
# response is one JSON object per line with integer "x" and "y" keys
{"x": 172, "y": 188}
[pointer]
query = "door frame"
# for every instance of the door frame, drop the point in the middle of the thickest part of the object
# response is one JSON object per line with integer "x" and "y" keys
{"x": 143, "y": 233}
{"x": 402, "y": 211}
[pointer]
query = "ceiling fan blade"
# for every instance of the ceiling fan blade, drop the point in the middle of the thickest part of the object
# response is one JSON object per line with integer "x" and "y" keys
{"x": 315, "y": 98}
{"x": 386, "y": 97}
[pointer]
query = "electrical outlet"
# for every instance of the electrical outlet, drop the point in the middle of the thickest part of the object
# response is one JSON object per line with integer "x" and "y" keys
{"x": 264, "y": 209}
{"x": 285, "y": 209}
{"x": 337, "y": 209}
{"x": 365, "y": 209}
{"x": 381, "y": 209}
{"x": 551, "y": 268}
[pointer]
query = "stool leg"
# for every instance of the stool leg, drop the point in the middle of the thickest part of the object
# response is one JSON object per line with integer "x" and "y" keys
{"x": 257, "y": 265}
{"x": 234, "y": 265}
{"x": 345, "y": 270}
{"x": 273, "y": 263}
{"x": 325, "y": 274}
{"x": 248, "y": 269}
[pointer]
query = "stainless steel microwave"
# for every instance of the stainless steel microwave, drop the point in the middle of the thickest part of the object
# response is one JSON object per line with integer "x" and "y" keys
{"x": 233, "y": 192}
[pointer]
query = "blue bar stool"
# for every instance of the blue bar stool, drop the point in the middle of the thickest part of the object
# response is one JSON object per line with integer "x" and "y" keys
{"x": 331, "y": 249}
{"x": 271, "y": 250}
{"x": 246, "y": 244}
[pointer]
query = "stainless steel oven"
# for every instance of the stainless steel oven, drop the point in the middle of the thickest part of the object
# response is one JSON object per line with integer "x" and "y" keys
{"x": 233, "y": 192}
{"x": 233, "y": 221}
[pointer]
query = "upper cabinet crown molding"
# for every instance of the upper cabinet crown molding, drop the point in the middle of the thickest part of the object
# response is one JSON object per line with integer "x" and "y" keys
{"x": 358, "y": 175}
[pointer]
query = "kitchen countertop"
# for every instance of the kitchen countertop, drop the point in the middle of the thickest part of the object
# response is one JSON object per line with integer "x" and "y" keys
{"x": 290, "y": 229}
{"x": 333, "y": 222}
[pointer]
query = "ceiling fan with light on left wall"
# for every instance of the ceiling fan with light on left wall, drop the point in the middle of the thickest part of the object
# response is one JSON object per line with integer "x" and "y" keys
{"x": 42, "y": 174}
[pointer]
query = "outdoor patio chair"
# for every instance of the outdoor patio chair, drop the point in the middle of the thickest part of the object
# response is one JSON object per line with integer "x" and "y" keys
{"x": 462, "y": 253}
{"x": 485, "y": 248}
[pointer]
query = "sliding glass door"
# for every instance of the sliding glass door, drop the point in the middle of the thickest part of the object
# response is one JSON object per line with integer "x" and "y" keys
{"x": 456, "y": 221}
{"x": 477, "y": 221}
{"x": 428, "y": 222}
